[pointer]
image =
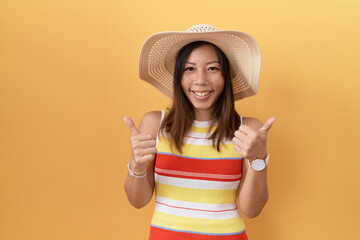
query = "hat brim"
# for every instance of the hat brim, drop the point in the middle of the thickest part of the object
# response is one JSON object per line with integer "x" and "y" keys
{"x": 158, "y": 56}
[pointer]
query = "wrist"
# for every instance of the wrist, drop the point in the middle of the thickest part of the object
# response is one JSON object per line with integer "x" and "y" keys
{"x": 259, "y": 164}
{"x": 136, "y": 173}
{"x": 263, "y": 156}
{"x": 137, "y": 167}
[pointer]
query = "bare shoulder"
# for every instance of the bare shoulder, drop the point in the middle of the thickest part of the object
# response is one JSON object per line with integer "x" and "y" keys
{"x": 150, "y": 122}
{"x": 253, "y": 123}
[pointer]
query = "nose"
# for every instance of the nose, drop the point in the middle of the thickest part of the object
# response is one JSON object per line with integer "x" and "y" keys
{"x": 201, "y": 78}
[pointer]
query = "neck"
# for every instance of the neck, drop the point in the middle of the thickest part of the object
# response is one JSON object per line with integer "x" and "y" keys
{"x": 203, "y": 115}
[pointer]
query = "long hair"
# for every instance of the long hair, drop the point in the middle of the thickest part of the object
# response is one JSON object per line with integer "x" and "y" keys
{"x": 181, "y": 115}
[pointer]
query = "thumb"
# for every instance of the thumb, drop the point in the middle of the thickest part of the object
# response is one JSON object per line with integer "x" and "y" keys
{"x": 266, "y": 127}
{"x": 131, "y": 125}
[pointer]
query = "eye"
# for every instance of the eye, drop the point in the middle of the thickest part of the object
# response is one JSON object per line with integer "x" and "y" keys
{"x": 213, "y": 69}
{"x": 189, "y": 69}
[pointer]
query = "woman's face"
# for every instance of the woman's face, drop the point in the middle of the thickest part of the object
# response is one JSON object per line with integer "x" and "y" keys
{"x": 202, "y": 81}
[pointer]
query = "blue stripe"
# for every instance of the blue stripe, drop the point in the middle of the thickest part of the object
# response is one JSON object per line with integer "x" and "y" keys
{"x": 215, "y": 234}
{"x": 176, "y": 155}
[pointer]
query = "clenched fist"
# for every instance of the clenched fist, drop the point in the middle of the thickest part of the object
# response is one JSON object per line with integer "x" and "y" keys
{"x": 250, "y": 143}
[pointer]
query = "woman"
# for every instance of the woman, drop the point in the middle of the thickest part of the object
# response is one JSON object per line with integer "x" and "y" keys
{"x": 200, "y": 155}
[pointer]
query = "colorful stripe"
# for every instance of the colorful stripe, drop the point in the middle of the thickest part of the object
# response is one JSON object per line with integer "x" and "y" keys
{"x": 197, "y": 206}
{"x": 198, "y": 151}
{"x": 196, "y": 183}
{"x": 191, "y": 224}
{"x": 157, "y": 232}
{"x": 203, "y": 176}
{"x": 195, "y": 192}
{"x": 229, "y": 166}
{"x": 195, "y": 213}
{"x": 211, "y": 196}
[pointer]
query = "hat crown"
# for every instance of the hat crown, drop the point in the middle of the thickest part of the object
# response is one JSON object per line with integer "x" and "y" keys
{"x": 202, "y": 28}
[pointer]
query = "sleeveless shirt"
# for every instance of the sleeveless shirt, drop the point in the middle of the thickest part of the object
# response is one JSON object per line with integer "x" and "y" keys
{"x": 195, "y": 192}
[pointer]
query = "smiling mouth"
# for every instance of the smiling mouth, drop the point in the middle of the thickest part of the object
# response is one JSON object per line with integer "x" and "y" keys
{"x": 202, "y": 93}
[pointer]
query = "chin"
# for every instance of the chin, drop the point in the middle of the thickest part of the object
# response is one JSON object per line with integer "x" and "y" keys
{"x": 202, "y": 107}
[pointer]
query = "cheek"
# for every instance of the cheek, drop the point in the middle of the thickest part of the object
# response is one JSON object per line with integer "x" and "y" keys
{"x": 185, "y": 84}
{"x": 220, "y": 84}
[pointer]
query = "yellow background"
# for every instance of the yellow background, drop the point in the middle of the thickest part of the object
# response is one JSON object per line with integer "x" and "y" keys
{"x": 69, "y": 74}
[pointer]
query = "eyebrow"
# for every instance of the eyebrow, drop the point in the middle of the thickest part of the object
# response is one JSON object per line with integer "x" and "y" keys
{"x": 206, "y": 63}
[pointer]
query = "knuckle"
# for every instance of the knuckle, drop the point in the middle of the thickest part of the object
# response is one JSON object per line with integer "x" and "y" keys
{"x": 148, "y": 157}
{"x": 146, "y": 136}
{"x": 135, "y": 145}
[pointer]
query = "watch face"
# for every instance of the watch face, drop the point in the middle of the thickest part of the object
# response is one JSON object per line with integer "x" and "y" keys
{"x": 258, "y": 165}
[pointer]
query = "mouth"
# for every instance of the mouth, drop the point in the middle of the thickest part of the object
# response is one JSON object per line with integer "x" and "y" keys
{"x": 201, "y": 94}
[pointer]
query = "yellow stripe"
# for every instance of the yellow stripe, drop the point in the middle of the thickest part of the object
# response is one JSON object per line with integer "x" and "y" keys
{"x": 212, "y": 196}
{"x": 202, "y": 129}
{"x": 231, "y": 225}
{"x": 198, "y": 151}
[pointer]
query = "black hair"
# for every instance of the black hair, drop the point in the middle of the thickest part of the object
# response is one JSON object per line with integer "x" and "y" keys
{"x": 181, "y": 115}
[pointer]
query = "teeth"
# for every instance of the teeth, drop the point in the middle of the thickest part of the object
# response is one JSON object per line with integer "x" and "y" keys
{"x": 201, "y": 94}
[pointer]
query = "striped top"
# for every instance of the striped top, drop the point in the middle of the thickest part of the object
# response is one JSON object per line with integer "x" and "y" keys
{"x": 195, "y": 193}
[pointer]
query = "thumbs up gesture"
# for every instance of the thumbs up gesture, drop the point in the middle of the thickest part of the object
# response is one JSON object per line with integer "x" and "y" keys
{"x": 143, "y": 146}
{"x": 250, "y": 142}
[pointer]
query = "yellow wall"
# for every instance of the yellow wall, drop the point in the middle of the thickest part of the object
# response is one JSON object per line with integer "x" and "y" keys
{"x": 68, "y": 75}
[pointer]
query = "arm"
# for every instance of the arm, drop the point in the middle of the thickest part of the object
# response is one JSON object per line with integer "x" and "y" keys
{"x": 143, "y": 149}
{"x": 250, "y": 142}
{"x": 253, "y": 191}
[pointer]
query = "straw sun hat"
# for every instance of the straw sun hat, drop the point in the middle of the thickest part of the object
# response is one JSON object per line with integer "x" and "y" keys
{"x": 158, "y": 55}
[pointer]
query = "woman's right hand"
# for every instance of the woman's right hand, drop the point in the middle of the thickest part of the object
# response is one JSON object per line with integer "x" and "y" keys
{"x": 143, "y": 147}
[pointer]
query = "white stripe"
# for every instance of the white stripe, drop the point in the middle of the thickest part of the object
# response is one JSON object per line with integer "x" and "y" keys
{"x": 202, "y": 124}
{"x": 196, "y": 213}
{"x": 194, "y": 139}
{"x": 199, "y": 142}
{"x": 198, "y": 135}
{"x": 195, "y": 183}
{"x": 195, "y": 205}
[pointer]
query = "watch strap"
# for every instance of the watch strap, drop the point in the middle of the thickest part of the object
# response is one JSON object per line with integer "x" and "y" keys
{"x": 267, "y": 159}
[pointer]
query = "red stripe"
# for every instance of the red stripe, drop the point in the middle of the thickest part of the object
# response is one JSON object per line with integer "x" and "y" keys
{"x": 195, "y": 209}
{"x": 198, "y": 178}
{"x": 218, "y": 166}
{"x": 164, "y": 234}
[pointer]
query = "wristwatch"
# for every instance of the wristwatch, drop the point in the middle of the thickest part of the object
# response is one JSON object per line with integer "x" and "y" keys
{"x": 259, "y": 164}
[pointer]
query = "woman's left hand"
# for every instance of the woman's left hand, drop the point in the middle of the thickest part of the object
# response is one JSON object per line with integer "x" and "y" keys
{"x": 251, "y": 143}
